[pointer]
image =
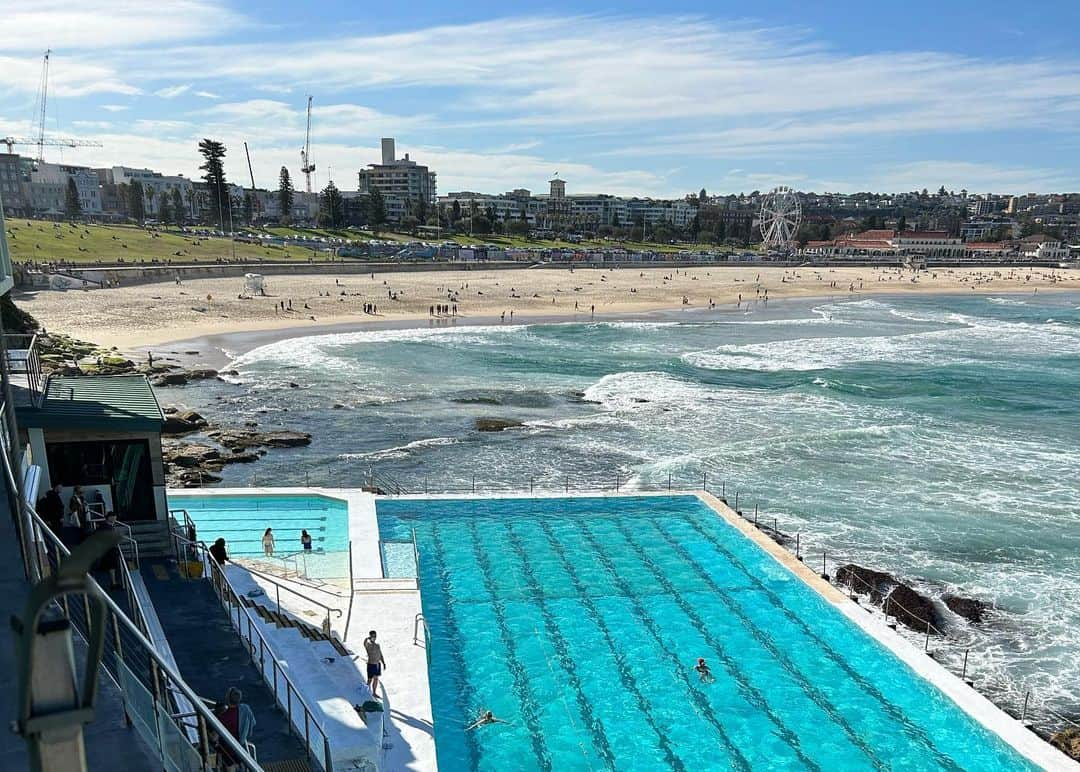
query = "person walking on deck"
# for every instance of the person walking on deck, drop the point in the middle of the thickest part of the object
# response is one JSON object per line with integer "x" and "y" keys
{"x": 236, "y": 716}
{"x": 376, "y": 663}
{"x": 268, "y": 542}
{"x": 218, "y": 551}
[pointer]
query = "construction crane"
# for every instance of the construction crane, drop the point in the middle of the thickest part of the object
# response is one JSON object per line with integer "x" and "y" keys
{"x": 41, "y": 140}
{"x": 307, "y": 166}
{"x": 254, "y": 199}
{"x": 43, "y": 95}
{"x": 46, "y": 142}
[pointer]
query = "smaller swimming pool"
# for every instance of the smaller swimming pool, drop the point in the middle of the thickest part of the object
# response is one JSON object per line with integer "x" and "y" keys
{"x": 242, "y": 519}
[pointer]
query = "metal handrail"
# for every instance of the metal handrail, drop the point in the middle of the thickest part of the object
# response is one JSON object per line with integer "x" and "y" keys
{"x": 220, "y": 582}
{"x": 207, "y": 718}
{"x": 128, "y": 539}
{"x": 278, "y": 586}
{"x": 927, "y": 625}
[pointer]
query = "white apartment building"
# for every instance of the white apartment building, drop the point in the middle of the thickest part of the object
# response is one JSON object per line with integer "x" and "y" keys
{"x": 929, "y": 244}
{"x": 507, "y": 206}
{"x": 48, "y": 188}
{"x": 403, "y": 183}
{"x": 679, "y": 212}
{"x": 1045, "y": 250}
{"x": 160, "y": 185}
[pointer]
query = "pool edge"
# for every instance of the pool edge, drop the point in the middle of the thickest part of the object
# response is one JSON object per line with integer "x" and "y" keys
{"x": 978, "y": 707}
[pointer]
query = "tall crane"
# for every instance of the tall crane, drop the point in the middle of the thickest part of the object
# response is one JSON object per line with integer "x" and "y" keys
{"x": 254, "y": 199}
{"x": 43, "y": 95}
{"x": 41, "y": 141}
{"x": 307, "y": 166}
{"x": 46, "y": 142}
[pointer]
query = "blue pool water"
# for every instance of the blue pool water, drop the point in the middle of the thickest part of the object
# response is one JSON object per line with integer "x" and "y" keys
{"x": 241, "y": 521}
{"x": 579, "y": 621}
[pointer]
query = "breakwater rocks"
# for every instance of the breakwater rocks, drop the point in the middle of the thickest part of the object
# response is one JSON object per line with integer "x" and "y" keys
{"x": 194, "y": 462}
{"x": 1068, "y": 741}
{"x": 496, "y": 424}
{"x": 906, "y": 604}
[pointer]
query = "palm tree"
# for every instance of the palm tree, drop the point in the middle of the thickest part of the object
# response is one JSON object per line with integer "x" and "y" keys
{"x": 149, "y": 194}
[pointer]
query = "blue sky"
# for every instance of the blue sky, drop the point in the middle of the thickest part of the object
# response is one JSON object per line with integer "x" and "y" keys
{"x": 630, "y": 98}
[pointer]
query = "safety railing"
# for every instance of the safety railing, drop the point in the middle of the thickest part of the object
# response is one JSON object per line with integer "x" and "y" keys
{"x": 287, "y": 696}
{"x": 947, "y": 652}
{"x": 128, "y": 541}
{"x": 24, "y": 359}
{"x": 617, "y": 481}
{"x": 145, "y": 679}
{"x": 421, "y": 623}
{"x": 278, "y": 587}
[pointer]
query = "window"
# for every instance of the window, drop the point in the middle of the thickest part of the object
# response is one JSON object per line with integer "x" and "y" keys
{"x": 124, "y": 465}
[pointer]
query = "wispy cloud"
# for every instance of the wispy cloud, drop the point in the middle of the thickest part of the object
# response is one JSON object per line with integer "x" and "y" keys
{"x": 114, "y": 108}
{"x": 207, "y": 95}
{"x": 171, "y": 92}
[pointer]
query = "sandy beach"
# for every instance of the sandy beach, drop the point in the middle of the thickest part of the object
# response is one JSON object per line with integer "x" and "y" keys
{"x": 135, "y": 317}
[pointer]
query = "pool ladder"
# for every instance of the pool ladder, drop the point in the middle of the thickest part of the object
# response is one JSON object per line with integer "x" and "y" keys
{"x": 420, "y": 620}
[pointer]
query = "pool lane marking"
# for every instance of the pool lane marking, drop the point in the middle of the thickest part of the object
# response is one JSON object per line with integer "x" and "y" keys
{"x": 898, "y": 715}
{"x": 455, "y": 644}
{"x": 553, "y": 628}
{"x": 816, "y": 695}
{"x": 750, "y": 692}
{"x": 705, "y": 710}
{"x": 517, "y": 670}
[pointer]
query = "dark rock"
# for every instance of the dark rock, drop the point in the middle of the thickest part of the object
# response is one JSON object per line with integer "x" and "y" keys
{"x": 243, "y": 439}
{"x": 171, "y": 379}
{"x": 476, "y": 401}
{"x": 1067, "y": 741}
{"x": 639, "y": 399}
{"x": 241, "y": 458}
{"x": 496, "y": 424}
{"x": 912, "y": 608}
{"x": 190, "y": 353}
{"x": 229, "y": 372}
{"x": 170, "y": 410}
{"x": 865, "y": 580}
{"x": 294, "y": 385}
{"x": 338, "y": 406}
{"x": 201, "y": 374}
{"x": 971, "y": 609}
{"x": 190, "y": 455}
{"x": 251, "y": 424}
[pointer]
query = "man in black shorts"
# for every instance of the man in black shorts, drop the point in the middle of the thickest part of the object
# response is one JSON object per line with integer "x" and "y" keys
{"x": 376, "y": 663}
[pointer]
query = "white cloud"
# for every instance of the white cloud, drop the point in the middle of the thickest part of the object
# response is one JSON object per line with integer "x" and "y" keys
{"x": 108, "y": 24}
{"x": 207, "y": 95}
{"x": 171, "y": 92}
{"x": 114, "y": 108}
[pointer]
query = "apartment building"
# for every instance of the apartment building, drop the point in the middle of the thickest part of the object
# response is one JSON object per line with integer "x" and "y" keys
{"x": 405, "y": 185}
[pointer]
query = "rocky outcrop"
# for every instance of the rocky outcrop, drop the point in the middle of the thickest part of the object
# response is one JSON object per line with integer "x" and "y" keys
{"x": 183, "y": 422}
{"x": 1068, "y": 742}
{"x": 911, "y": 608}
{"x": 866, "y": 580}
{"x": 190, "y": 465}
{"x": 971, "y": 609}
{"x": 496, "y": 424}
{"x": 242, "y": 439}
{"x": 906, "y": 604}
{"x": 184, "y": 377}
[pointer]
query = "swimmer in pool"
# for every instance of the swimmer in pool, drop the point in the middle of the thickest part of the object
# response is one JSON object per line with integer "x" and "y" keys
{"x": 703, "y": 671}
{"x": 485, "y": 717}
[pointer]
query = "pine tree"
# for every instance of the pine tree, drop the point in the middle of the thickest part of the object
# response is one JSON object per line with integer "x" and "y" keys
{"x": 285, "y": 194}
{"x": 376, "y": 209}
{"x": 213, "y": 153}
{"x": 136, "y": 203}
{"x": 164, "y": 208}
{"x": 331, "y": 207}
{"x": 178, "y": 209}
{"x": 72, "y": 207}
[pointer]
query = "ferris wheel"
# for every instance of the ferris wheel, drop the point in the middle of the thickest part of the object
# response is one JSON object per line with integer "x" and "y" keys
{"x": 781, "y": 214}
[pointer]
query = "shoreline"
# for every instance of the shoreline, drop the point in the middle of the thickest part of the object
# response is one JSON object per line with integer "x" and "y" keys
{"x": 219, "y": 349}
{"x": 135, "y": 319}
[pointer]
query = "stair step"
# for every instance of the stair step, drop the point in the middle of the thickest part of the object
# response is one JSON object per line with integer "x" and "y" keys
{"x": 339, "y": 647}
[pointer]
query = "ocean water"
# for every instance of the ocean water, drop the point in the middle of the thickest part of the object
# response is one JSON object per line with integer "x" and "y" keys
{"x": 578, "y": 621}
{"x": 937, "y": 437}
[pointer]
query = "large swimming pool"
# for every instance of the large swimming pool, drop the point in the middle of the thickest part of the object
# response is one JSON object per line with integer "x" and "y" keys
{"x": 579, "y": 621}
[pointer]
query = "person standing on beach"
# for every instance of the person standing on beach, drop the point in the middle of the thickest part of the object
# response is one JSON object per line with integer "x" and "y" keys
{"x": 268, "y": 542}
{"x": 376, "y": 663}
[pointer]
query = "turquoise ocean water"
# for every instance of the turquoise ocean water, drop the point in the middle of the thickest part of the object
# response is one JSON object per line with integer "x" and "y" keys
{"x": 936, "y": 437}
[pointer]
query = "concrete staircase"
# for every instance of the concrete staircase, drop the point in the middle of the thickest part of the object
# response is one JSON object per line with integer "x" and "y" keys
{"x": 281, "y": 620}
{"x": 152, "y": 537}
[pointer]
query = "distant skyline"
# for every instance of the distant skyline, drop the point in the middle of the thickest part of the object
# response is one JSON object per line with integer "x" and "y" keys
{"x": 616, "y": 98}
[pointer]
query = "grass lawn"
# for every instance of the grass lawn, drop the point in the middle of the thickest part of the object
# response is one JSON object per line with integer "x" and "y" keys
{"x": 43, "y": 240}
